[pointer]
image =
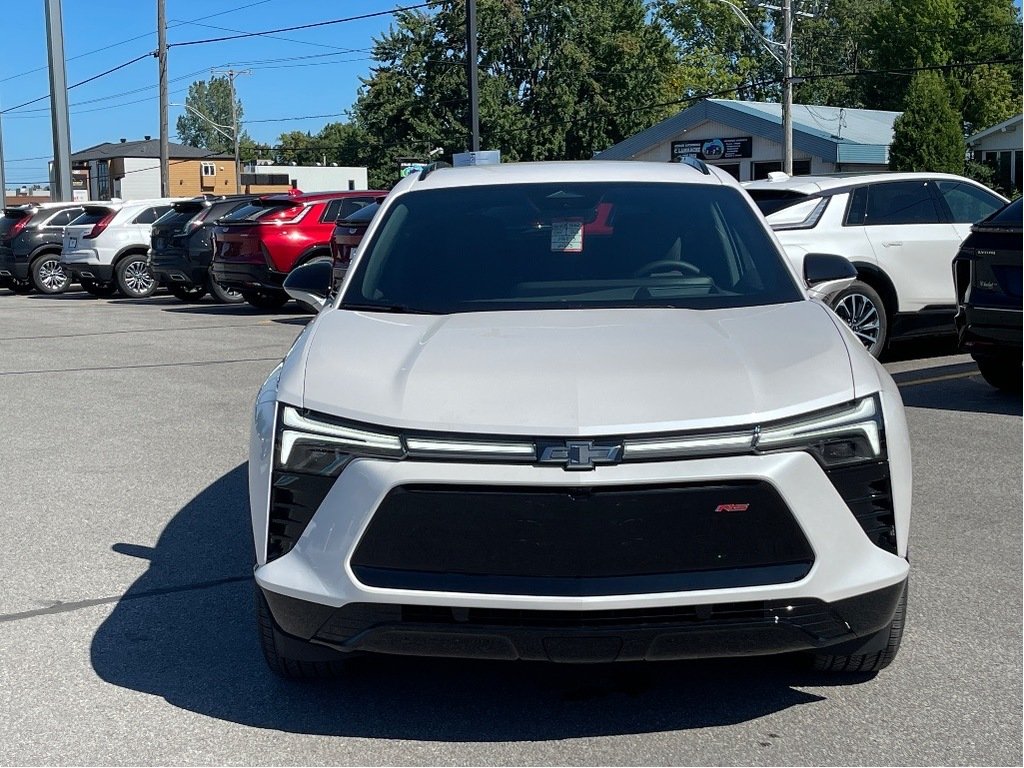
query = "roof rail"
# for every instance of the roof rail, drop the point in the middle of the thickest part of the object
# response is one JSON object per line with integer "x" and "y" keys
{"x": 693, "y": 162}
{"x": 433, "y": 167}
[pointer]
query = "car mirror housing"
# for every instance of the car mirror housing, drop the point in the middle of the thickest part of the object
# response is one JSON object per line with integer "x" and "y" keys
{"x": 310, "y": 283}
{"x": 827, "y": 273}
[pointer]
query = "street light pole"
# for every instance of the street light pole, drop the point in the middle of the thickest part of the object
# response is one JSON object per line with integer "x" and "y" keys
{"x": 231, "y": 74}
{"x": 787, "y": 89}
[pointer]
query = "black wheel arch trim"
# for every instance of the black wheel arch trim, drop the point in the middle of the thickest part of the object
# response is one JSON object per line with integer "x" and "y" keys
{"x": 881, "y": 282}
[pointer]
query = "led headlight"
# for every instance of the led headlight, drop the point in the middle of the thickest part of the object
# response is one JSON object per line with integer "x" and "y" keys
{"x": 318, "y": 447}
{"x": 846, "y": 435}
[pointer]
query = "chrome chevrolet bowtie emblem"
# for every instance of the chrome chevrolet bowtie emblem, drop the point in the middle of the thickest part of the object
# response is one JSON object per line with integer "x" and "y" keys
{"x": 581, "y": 454}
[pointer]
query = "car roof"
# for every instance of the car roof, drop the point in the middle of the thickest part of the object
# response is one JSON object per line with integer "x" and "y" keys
{"x": 568, "y": 171}
{"x": 316, "y": 197}
{"x": 813, "y": 184}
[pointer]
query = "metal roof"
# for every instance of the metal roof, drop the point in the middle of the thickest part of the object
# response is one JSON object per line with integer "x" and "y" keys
{"x": 831, "y": 133}
{"x": 1009, "y": 124}
{"x": 146, "y": 149}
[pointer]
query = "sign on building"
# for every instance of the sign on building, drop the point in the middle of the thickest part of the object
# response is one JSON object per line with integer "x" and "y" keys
{"x": 715, "y": 149}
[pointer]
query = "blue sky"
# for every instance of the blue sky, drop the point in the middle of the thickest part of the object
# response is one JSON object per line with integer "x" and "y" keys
{"x": 124, "y": 104}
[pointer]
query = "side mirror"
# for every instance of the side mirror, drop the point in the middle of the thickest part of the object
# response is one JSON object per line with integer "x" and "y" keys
{"x": 827, "y": 274}
{"x": 310, "y": 283}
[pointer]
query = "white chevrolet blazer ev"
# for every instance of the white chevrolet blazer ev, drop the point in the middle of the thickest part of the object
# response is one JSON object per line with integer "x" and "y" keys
{"x": 578, "y": 412}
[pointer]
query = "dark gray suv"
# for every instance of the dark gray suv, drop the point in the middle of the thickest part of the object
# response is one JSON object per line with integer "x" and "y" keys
{"x": 30, "y": 243}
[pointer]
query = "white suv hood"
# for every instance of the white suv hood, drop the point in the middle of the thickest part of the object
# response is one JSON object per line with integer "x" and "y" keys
{"x": 570, "y": 373}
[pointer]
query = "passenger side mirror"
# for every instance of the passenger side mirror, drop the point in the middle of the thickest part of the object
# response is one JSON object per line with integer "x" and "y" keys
{"x": 310, "y": 283}
{"x": 826, "y": 274}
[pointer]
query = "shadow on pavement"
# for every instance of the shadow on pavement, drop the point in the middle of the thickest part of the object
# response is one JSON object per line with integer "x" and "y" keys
{"x": 960, "y": 392}
{"x": 916, "y": 349}
{"x": 186, "y": 631}
{"x": 229, "y": 310}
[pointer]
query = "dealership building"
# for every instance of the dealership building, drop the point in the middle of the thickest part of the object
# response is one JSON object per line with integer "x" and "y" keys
{"x": 745, "y": 138}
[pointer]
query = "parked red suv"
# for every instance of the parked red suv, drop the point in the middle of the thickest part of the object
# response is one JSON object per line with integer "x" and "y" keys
{"x": 257, "y": 245}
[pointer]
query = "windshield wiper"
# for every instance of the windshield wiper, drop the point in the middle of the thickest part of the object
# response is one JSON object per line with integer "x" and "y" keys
{"x": 395, "y": 309}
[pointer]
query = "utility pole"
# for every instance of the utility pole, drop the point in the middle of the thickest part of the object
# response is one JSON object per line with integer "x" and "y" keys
{"x": 58, "y": 103}
{"x": 787, "y": 89}
{"x": 3, "y": 180}
{"x": 161, "y": 54}
{"x": 231, "y": 74}
{"x": 471, "y": 74}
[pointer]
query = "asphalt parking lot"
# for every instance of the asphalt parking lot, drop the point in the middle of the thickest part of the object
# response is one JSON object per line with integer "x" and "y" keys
{"x": 127, "y": 632}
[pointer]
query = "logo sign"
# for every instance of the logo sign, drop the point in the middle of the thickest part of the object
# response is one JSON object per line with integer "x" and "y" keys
{"x": 715, "y": 149}
{"x": 732, "y": 508}
{"x": 581, "y": 454}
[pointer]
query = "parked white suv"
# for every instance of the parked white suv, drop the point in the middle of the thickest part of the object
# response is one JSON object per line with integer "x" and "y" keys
{"x": 105, "y": 248}
{"x": 548, "y": 417}
{"x": 900, "y": 230}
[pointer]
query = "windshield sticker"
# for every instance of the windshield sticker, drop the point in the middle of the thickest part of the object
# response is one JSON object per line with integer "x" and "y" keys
{"x": 567, "y": 236}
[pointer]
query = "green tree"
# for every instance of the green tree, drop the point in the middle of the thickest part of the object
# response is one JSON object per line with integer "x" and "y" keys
{"x": 928, "y": 135}
{"x": 213, "y": 100}
{"x": 716, "y": 51}
{"x": 558, "y": 79}
{"x": 836, "y": 40}
{"x": 298, "y": 147}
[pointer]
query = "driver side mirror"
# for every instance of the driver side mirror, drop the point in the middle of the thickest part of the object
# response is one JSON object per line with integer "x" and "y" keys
{"x": 826, "y": 274}
{"x": 309, "y": 284}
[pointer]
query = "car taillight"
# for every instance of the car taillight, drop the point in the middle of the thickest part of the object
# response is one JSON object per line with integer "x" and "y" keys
{"x": 19, "y": 225}
{"x": 99, "y": 226}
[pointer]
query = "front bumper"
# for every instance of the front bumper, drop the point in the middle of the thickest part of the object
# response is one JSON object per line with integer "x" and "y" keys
{"x": 307, "y": 585}
{"x": 243, "y": 276}
{"x": 763, "y": 627}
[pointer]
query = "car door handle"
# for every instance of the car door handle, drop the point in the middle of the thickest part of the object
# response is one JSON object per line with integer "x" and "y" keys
{"x": 892, "y": 244}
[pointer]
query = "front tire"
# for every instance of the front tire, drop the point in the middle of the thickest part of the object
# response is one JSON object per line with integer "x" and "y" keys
{"x": 869, "y": 662}
{"x": 272, "y": 641}
{"x": 134, "y": 277}
{"x": 268, "y": 301}
{"x": 1003, "y": 374}
{"x": 862, "y": 309}
{"x": 48, "y": 276}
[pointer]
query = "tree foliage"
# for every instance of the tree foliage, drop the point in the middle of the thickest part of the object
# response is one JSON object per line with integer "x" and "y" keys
{"x": 557, "y": 78}
{"x": 928, "y": 135}
{"x": 716, "y": 51}
{"x": 213, "y": 100}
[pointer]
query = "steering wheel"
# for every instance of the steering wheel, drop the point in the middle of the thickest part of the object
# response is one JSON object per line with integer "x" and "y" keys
{"x": 666, "y": 265}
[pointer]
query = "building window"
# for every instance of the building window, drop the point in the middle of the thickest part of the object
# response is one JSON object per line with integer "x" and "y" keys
{"x": 351, "y": 184}
{"x": 103, "y": 180}
{"x": 209, "y": 169}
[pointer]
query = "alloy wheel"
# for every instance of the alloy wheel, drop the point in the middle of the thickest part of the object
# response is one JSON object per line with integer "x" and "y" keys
{"x": 860, "y": 313}
{"x": 52, "y": 276}
{"x": 138, "y": 279}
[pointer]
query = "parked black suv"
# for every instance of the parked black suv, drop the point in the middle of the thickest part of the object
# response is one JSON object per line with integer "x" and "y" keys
{"x": 988, "y": 276}
{"x": 30, "y": 243}
{"x": 182, "y": 247}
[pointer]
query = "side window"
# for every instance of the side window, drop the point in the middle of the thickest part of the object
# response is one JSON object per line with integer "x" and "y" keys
{"x": 149, "y": 215}
{"x": 968, "y": 203}
{"x": 65, "y": 217}
{"x": 858, "y": 208}
{"x": 331, "y": 211}
{"x": 901, "y": 202}
{"x": 345, "y": 207}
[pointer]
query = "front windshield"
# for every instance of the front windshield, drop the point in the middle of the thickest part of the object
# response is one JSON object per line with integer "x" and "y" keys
{"x": 569, "y": 246}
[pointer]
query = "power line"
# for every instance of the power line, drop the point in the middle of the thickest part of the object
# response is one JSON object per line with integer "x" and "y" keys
{"x": 81, "y": 82}
{"x": 133, "y": 39}
{"x": 314, "y": 25}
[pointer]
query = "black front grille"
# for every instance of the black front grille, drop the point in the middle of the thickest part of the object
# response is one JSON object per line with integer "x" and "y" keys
{"x": 581, "y": 541}
{"x": 294, "y": 498}
{"x": 867, "y": 491}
